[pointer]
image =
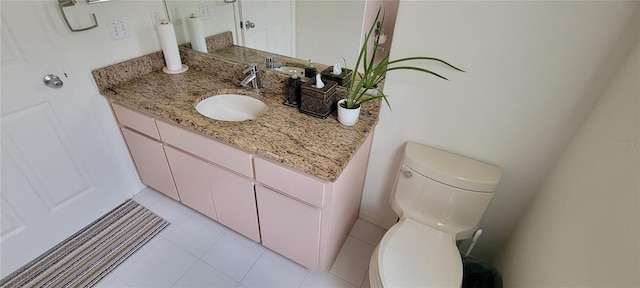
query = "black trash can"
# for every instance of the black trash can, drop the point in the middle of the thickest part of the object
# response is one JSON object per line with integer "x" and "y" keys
{"x": 477, "y": 274}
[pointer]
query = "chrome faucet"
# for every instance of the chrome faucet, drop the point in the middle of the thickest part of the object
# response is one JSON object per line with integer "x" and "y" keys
{"x": 271, "y": 63}
{"x": 252, "y": 77}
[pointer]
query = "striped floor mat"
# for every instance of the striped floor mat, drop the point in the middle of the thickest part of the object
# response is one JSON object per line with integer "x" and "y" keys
{"x": 89, "y": 255}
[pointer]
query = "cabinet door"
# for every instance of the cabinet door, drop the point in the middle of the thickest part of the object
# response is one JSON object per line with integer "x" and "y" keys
{"x": 235, "y": 201}
{"x": 289, "y": 227}
{"x": 151, "y": 162}
{"x": 190, "y": 176}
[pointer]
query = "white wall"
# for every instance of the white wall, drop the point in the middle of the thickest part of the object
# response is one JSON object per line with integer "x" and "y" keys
{"x": 84, "y": 51}
{"x": 583, "y": 226}
{"x": 534, "y": 71}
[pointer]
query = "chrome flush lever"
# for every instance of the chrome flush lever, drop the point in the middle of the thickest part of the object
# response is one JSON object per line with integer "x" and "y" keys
{"x": 406, "y": 174}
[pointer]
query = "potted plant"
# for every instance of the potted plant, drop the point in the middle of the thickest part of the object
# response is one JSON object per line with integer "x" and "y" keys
{"x": 362, "y": 83}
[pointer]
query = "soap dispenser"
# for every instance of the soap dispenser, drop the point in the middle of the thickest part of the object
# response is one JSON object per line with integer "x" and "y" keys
{"x": 294, "y": 91}
{"x": 310, "y": 71}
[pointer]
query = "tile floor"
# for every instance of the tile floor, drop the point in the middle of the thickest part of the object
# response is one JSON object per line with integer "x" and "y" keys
{"x": 195, "y": 251}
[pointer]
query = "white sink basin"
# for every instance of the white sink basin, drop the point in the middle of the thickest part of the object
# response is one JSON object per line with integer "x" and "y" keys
{"x": 293, "y": 71}
{"x": 231, "y": 107}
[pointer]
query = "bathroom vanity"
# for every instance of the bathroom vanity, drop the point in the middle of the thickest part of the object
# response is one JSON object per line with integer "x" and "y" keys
{"x": 285, "y": 179}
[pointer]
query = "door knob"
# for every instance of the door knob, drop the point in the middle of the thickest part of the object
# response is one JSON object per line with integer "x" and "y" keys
{"x": 52, "y": 81}
{"x": 249, "y": 25}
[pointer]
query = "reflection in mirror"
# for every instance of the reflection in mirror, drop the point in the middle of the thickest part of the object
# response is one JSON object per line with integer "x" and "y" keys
{"x": 324, "y": 31}
{"x": 220, "y": 17}
{"x": 268, "y": 25}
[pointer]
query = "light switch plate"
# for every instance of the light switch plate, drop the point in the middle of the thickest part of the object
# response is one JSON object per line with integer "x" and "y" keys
{"x": 204, "y": 9}
{"x": 177, "y": 16}
{"x": 156, "y": 17}
{"x": 118, "y": 28}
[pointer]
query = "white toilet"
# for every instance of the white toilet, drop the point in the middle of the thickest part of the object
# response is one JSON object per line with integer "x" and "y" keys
{"x": 440, "y": 197}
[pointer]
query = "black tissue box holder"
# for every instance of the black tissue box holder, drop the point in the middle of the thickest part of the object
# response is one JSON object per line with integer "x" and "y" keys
{"x": 294, "y": 92}
{"x": 342, "y": 79}
{"x": 318, "y": 102}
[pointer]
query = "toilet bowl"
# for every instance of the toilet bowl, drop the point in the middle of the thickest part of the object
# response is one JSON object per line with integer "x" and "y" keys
{"x": 440, "y": 198}
{"x": 412, "y": 255}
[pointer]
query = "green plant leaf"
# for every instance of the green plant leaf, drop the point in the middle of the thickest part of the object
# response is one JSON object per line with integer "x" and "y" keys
{"x": 373, "y": 73}
{"x": 425, "y": 58}
{"x": 417, "y": 69}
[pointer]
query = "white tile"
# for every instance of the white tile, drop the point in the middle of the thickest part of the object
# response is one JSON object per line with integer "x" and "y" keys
{"x": 117, "y": 283}
{"x": 352, "y": 262}
{"x": 203, "y": 275}
{"x": 233, "y": 254}
{"x": 196, "y": 234}
{"x": 367, "y": 232}
{"x": 172, "y": 211}
{"x": 104, "y": 282}
{"x": 147, "y": 197}
{"x": 317, "y": 279}
{"x": 274, "y": 270}
{"x": 124, "y": 266}
{"x": 161, "y": 266}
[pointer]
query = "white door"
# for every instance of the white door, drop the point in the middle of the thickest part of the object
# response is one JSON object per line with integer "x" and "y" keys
{"x": 54, "y": 179}
{"x": 268, "y": 25}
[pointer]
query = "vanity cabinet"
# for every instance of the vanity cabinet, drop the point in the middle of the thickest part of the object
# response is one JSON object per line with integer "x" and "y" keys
{"x": 209, "y": 177}
{"x": 304, "y": 218}
{"x": 213, "y": 177}
{"x": 141, "y": 136}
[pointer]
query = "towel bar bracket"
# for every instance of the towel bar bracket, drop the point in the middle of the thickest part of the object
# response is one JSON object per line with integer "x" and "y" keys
{"x": 67, "y": 3}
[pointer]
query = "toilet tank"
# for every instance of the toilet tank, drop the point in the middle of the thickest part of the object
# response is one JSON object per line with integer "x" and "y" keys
{"x": 443, "y": 190}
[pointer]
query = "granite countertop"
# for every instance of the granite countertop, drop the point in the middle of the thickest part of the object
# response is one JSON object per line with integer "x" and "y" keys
{"x": 318, "y": 147}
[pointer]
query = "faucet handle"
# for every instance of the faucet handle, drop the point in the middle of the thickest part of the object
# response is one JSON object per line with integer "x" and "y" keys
{"x": 270, "y": 62}
{"x": 253, "y": 68}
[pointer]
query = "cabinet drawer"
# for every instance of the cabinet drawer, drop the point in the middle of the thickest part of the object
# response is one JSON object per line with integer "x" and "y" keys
{"x": 289, "y": 227}
{"x": 292, "y": 183}
{"x": 136, "y": 121}
{"x": 209, "y": 149}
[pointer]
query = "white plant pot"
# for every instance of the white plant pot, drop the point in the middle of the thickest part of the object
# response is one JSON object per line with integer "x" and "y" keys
{"x": 346, "y": 116}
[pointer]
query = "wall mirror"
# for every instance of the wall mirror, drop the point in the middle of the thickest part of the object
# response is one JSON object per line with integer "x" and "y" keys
{"x": 318, "y": 30}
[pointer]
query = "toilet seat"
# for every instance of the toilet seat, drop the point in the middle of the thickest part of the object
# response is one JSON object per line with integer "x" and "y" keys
{"x": 414, "y": 255}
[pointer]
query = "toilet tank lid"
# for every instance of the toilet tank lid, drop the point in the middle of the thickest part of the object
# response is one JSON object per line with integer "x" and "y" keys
{"x": 452, "y": 169}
